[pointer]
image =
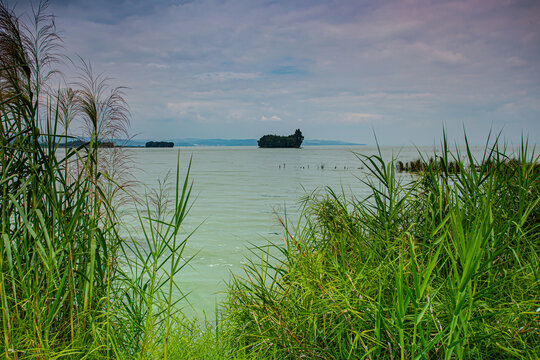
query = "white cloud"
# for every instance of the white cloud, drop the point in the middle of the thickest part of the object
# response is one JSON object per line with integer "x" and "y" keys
{"x": 359, "y": 117}
{"x": 227, "y": 75}
{"x": 450, "y": 58}
{"x": 271, "y": 118}
{"x": 516, "y": 61}
{"x": 184, "y": 107}
{"x": 370, "y": 99}
{"x": 157, "y": 66}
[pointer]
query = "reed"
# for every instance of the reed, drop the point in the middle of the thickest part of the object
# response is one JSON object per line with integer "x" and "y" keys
{"x": 441, "y": 265}
{"x": 419, "y": 165}
{"x": 70, "y": 285}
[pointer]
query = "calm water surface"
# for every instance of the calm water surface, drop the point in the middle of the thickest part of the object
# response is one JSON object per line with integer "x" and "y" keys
{"x": 237, "y": 193}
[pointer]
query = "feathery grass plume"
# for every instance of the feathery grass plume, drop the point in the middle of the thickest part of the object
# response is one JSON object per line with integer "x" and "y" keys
{"x": 68, "y": 109}
{"x": 29, "y": 52}
{"x": 105, "y": 117}
{"x": 43, "y": 46}
{"x": 104, "y": 109}
{"x": 14, "y": 60}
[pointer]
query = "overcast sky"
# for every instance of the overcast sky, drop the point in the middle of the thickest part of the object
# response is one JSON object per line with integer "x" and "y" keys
{"x": 334, "y": 69}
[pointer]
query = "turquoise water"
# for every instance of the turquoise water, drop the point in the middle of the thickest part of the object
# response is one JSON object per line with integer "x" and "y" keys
{"x": 238, "y": 192}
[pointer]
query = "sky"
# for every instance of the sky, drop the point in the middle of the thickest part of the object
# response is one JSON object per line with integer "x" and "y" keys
{"x": 343, "y": 70}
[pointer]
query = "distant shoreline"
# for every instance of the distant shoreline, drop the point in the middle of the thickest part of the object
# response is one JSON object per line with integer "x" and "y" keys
{"x": 246, "y": 146}
{"x": 193, "y": 142}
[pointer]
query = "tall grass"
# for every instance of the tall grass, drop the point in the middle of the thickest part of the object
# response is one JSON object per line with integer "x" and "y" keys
{"x": 440, "y": 265}
{"x": 70, "y": 285}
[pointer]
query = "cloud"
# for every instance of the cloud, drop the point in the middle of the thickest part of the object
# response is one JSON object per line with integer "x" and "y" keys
{"x": 227, "y": 75}
{"x": 359, "y": 118}
{"x": 368, "y": 98}
{"x": 271, "y": 118}
{"x": 449, "y": 58}
{"x": 516, "y": 61}
{"x": 184, "y": 107}
{"x": 158, "y": 66}
{"x": 288, "y": 70}
{"x": 389, "y": 62}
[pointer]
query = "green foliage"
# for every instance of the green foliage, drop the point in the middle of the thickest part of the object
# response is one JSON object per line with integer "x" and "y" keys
{"x": 275, "y": 141}
{"x": 159, "y": 144}
{"x": 443, "y": 266}
{"x": 70, "y": 285}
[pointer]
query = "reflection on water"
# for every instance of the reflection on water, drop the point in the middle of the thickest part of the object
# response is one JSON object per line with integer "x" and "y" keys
{"x": 237, "y": 193}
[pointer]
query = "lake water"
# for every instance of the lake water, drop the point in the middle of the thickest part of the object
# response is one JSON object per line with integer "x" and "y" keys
{"x": 237, "y": 192}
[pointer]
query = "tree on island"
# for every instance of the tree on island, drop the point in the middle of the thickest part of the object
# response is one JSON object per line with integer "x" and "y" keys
{"x": 276, "y": 141}
{"x": 159, "y": 144}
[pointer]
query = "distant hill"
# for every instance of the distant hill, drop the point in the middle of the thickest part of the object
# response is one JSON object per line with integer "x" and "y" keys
{"x": 227, "y": 142}
{"x": 215, "y": 142}
{"x": 315, "y": 142}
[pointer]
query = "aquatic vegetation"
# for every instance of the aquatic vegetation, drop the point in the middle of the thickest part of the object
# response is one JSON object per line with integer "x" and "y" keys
{"x": 70, "y": 285}
{"x": 442, "y": 266}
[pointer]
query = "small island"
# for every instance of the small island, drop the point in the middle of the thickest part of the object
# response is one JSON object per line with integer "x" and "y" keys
{"x": 276, "y": 141}
{"x": 159, "y": 144}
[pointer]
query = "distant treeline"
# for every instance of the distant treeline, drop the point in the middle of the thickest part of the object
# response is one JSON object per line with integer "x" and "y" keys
{"x": 276, "y": 141}
{"x": 159, "y": 144}
{"x": 79, "y": 143}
